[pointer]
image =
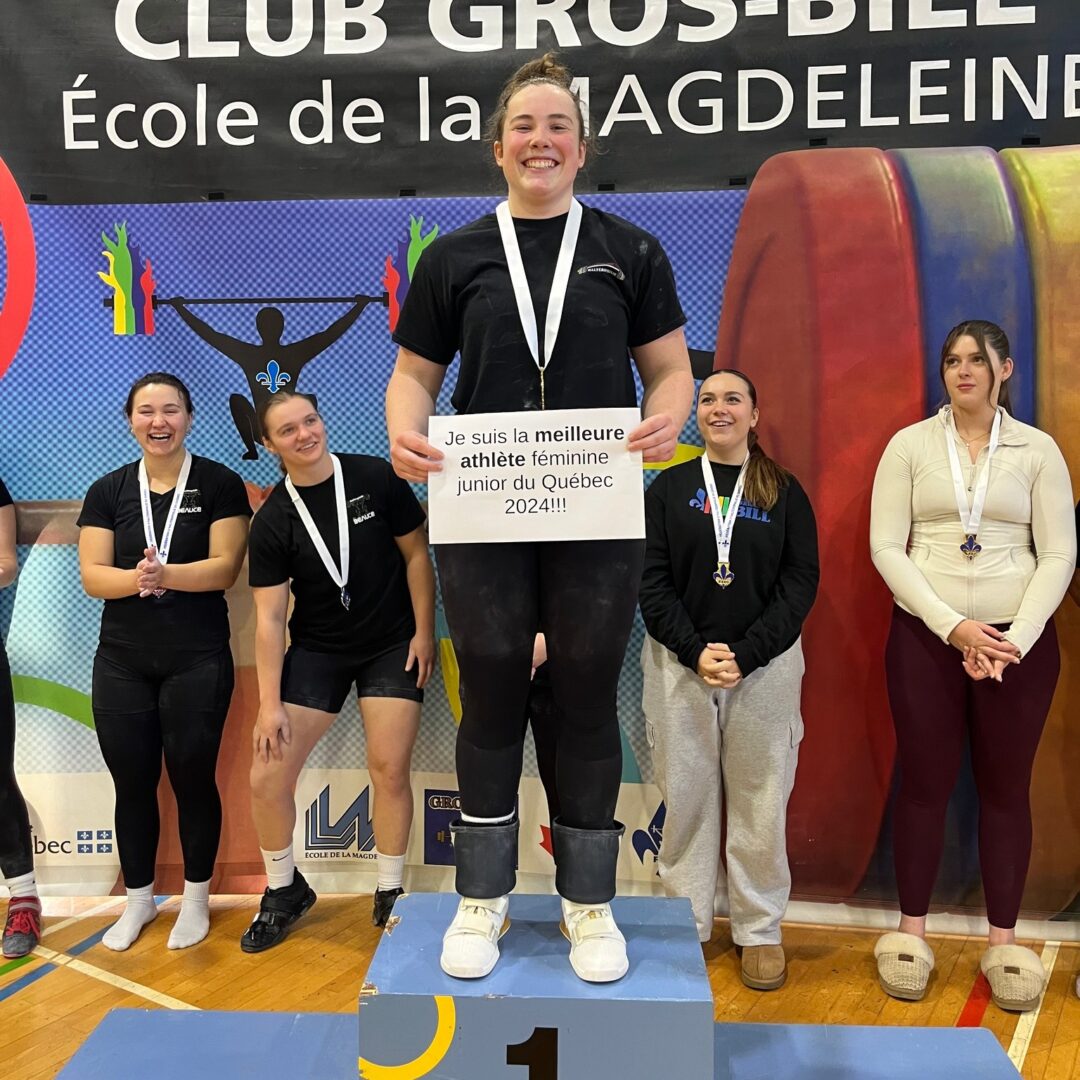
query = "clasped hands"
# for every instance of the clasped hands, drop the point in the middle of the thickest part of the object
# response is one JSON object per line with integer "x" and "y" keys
{"x": 717, "y": 667}
{"x": 986, "y": 652}
{"x": 150, "y": 574}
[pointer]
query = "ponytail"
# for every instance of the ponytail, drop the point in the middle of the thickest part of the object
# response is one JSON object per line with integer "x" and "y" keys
{"x": 764, "y": 478}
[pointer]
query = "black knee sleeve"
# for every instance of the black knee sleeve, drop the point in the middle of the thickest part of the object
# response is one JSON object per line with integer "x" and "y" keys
{"x": 585, "y": 861}
{"x": 485, "y": 857}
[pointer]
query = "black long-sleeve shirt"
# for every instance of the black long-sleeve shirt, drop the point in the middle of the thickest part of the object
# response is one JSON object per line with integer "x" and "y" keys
{"x": 774, "y": 557}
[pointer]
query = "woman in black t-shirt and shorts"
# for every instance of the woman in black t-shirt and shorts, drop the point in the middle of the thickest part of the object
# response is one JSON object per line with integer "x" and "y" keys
{"x": 617, "y": 298}
{"x": 161, "y": 540}
{"x": 349, "y": 536}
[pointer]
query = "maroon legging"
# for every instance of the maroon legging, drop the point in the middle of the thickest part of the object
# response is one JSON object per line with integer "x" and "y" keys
{"x": 934, "y": 705}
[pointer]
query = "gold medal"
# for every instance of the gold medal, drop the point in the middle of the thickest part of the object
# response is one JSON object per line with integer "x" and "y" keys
{"x": 722, "y": 575}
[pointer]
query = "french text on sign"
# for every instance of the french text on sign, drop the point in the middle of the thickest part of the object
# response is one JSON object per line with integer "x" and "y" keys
{"x": 563, "y": 474}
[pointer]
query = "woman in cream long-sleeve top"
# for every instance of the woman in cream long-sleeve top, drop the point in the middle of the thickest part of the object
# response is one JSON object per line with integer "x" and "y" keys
{"x": 971, "y": 528}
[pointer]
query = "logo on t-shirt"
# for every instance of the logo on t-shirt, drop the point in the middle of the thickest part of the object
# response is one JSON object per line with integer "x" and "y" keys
{"x": 746, "y": 510}
{"x": 360, "y": 509}
{"x": 191, "y": 503}
{"x": 603, "y": 268}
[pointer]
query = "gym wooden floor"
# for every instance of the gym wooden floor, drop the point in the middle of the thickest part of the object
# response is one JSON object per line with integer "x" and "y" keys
{"x": 50, "y": 1002}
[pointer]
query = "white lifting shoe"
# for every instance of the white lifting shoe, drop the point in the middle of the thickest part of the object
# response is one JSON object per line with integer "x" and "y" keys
{"x": 597, "y": 947}
{"x": 471, "y": 942}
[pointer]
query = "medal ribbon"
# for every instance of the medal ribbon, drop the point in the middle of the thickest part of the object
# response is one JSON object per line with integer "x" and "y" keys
{"x": 174, "y": 508}
{"x": 723, "y": 524}
{"x": 559, "y": 284}
{"x": 971, "y": 518}
{"x": 340, "y": 577}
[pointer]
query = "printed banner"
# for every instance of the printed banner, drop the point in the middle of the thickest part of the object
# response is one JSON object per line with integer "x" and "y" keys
{"x": 563, "y": 474}
{"x": 191, "y": 100}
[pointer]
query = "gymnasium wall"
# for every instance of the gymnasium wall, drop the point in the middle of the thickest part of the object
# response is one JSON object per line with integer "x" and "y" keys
{"x": 836, "y": 185}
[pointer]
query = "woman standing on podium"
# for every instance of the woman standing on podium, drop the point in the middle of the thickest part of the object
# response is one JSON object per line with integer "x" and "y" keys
{"x": 971, "y": 526}
{"x": 603, "y": 291}
{"x": 347, "y": 537}
{"x": 731, "y": 572}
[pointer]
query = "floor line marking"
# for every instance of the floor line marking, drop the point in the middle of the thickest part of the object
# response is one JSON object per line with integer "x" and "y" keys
{"x": 974, "y": 1009}
{"x": 1025, "y": 1026}
{"x": 65, "y": 923}
{"x": 158, "y": 998}
{"x": 25, "y": 980}
{"x": 13, "y": 965}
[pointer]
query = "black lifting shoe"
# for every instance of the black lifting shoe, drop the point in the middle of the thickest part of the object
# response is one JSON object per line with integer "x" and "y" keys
{"x": 278, "y": 910}
{"x": 384, "y": 905}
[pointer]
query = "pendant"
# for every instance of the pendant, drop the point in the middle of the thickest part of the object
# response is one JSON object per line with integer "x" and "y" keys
{"x": 722, "y": 575}
{"x": 160, "y": 592}
{"x": 969, "y": 547}
{"x": 346, "y": 599}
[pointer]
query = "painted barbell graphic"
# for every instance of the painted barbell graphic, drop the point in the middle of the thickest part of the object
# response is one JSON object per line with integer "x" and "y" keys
{"x": 269, "y": 363}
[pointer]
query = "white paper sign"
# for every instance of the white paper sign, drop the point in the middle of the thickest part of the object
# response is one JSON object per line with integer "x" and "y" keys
{"x": 562, "y": 474}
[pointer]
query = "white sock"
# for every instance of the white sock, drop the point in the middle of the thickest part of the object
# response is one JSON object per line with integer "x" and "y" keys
{"x": 504, "y": 819}
{"x": 140, "y": 911}
{"x": 391, "y": 870}
{"x": 23, "y": 885}
{"x": 193, "y": 922}
{"x": 280, "y": 867}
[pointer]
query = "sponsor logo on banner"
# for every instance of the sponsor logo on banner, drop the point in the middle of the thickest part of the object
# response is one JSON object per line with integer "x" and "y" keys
{"x": 647, "y": 841}
{"x": 349, "y": 836}
{"x": 440, "y": 808}
{"x": 84, "y": 842}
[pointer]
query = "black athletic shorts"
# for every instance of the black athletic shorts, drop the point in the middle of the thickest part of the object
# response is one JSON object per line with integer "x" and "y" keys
{"x": 319, "y": 680}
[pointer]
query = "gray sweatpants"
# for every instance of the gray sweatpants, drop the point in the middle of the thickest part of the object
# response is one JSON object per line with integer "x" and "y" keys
{"x": 744, "y": 743}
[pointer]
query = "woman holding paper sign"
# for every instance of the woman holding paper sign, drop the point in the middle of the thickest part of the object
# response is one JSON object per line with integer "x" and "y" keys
{"x": 971, "y": 526}
{"x": 602, "y": 290}
{"x": 348, "y": 537}
{"x": 731, "y": 572}
{"x": 161, "y": 540}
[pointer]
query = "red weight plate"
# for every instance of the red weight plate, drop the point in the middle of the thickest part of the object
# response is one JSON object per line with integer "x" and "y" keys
{"x": 821, "y": 309}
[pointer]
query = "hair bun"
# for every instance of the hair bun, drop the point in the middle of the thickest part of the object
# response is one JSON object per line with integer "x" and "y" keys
{"x": 546, "y": 68}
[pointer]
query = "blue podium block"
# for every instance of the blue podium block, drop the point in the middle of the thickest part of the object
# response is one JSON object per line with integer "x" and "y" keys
{"x": 532, "y": 1017}
{"x": 819, "y": 1052}
{"x": 166, "y": 1045}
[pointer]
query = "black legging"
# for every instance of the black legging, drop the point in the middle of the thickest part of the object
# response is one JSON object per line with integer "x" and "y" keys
{"x": 496, "y": 597}
{"x": 146, "y": 703}
{"x": 542, "y": 715}
{"x": 16, "y": 855}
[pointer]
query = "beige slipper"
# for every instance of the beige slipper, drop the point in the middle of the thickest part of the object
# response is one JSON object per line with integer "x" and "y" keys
{"x": 1016, "y": 976}
{"x": 904, "y": 963}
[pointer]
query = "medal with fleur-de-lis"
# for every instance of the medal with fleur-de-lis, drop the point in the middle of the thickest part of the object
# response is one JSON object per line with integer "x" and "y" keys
{"x": 723, "y": 520}
{"x": 970, "y": 516}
